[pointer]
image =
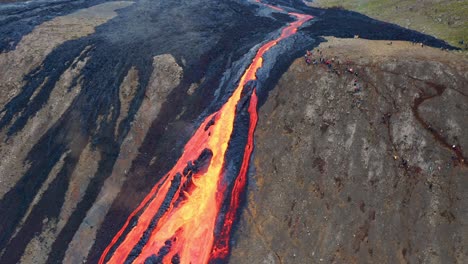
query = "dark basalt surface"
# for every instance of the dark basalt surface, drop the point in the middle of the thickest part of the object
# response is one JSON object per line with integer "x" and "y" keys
{"x": 212, "y": 40}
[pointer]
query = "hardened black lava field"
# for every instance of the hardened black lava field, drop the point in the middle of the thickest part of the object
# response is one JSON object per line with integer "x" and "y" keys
{"x": 100, "y": 98}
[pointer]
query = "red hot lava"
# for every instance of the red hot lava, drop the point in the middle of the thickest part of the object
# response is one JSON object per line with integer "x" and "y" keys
{"x": 176, "y": 221}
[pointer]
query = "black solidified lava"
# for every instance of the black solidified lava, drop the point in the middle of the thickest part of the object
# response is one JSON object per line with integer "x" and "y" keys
{"x": 17, "y": 20}
{"x": 164, "y": 207}
{"x": 199, "y": 165}
{"x": 175, "y": 259}
{"x": 117, "y": 46}
{"x": 210, "y": 123}
{"x": 156, "y": 259}
{"x": 214, "y": 44}
{"x": 234, "y": 155}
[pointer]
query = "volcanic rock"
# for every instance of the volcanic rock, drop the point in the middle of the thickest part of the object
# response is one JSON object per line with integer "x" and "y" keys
{"x": 338, "y": 195}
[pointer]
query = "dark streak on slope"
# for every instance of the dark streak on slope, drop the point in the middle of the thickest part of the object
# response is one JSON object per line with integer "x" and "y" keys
{"x": 19, "y": 19}
{"x": 47, "y": 208}
{"x": 15, "y": 203}
{"x": 209, "y": 40}
{"x": 40, "y": 83}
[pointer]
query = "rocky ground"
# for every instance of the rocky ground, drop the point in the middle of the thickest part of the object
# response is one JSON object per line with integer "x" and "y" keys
{"x": 99, "y": 97}
{"x": 348, "y": 173}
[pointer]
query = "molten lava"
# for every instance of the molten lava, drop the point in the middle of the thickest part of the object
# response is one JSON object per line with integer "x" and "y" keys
{"x": 176, "y": 221}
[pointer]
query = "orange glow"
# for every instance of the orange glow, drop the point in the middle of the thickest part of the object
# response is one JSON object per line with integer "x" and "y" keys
{"x": 186, "y": 217}
{"x": 221, "y": 248}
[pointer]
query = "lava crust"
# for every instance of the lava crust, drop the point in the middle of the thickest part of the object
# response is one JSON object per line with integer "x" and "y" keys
{"x": 158, "y": 101}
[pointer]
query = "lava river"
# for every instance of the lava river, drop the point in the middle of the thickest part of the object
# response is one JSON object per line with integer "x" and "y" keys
{"x": 188, "y": 215}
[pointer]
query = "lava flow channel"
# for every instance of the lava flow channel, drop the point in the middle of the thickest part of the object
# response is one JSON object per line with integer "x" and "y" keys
{"x": 176, "y": 221}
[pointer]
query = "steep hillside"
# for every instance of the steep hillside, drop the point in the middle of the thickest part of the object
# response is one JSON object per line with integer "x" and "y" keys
{"x": 367, "y": 173}
{"x": 127, "y": 134}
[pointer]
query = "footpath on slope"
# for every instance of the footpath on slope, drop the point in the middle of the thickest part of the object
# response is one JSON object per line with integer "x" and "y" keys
{"x": 363, "y": 181}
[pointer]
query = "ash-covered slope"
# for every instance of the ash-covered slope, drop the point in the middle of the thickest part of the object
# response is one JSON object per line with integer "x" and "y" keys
{"x": 101, "y": 96}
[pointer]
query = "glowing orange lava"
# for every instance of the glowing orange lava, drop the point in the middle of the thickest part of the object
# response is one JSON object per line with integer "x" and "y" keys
{"x": 176, "y": 221}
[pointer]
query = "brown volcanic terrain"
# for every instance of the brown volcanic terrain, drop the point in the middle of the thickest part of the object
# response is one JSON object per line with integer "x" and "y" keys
{"x": 353, "y": 177}
{"x": 338, "y": 176}
{"x": 29, "y": 54}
